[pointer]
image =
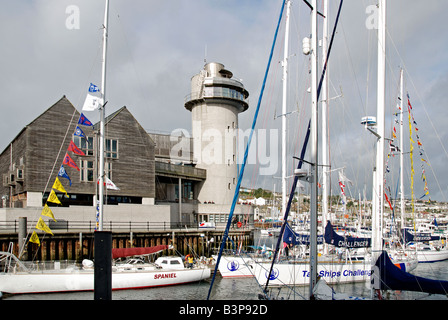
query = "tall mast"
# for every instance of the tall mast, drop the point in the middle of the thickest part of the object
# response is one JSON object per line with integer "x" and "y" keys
{"x": 285, "y": 83}
{"x": 378, "y": 181}
{"x": 314, "y": 150}
{"x": 102, "y": 113}
{"x": 325, "y": 155}
{"x": 377, "y": 216}
{"x": 402, "y": 206}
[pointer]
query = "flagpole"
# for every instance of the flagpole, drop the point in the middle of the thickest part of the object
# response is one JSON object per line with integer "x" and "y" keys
{"x": 102, "y": 239}
{"x": 102, "y": 113}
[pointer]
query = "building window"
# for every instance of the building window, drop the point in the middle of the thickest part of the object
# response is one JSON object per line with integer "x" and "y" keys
{"x": 86, "y": 171}
{"x": 108, "y": 170}
{"x": 85, "y": 144}
{"x": 112, "y": 148}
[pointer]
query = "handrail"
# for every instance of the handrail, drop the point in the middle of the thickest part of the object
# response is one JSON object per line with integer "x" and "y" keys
{"x": 89, "y": 226}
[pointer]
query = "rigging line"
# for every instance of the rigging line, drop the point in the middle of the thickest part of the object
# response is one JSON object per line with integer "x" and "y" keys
{"x": 291, "y": 195}
{"x": 237, "y": 189}
{"x": 422, "y": 103}
{"x": 57, "y": 157}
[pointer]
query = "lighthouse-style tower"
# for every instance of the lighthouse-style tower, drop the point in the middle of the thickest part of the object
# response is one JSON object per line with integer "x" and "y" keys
{"x": 215, "y": 101}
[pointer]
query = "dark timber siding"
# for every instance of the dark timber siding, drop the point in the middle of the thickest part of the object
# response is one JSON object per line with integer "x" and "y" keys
{"x": 43, "y": 143}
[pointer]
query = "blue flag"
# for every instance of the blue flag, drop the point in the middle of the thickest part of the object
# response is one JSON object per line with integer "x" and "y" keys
{"x": 84, "y": 121}
{"x": 62, "y": 173}
{"x": 93, "y": 88}
{"x": 79, "y": 132}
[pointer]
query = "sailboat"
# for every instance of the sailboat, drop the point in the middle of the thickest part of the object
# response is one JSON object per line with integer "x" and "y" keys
{"x": 133, "y": 274}
{"x": 385, "y": 275}
{"x": 326, "y": 266}
{"x": 17, "y": 278}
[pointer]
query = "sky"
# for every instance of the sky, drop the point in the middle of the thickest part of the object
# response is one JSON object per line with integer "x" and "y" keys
{"x": 52, "y": 48}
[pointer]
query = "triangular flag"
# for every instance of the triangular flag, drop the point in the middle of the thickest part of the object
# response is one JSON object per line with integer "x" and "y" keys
{"x": 42, "y": 226}
{"x": 53, "y": 197}
{"x": 84, "y": 121}
{"x": 34, "y": 238}
{"x": 69, "y": 161}
{"x": 62, "y": 173}
{"x": 79, "y": 132}
{"x": 57, "y": 185}
{"x": 93, "y": 88}
{"x": 47, "y": 212}
{"x": 73, "y": 148}
{"x": 92, "y": 103}
{"x": 110, "y": 185}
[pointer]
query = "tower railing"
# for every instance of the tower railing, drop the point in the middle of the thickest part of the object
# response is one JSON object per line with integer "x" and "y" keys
{"x": 216, "y": 92}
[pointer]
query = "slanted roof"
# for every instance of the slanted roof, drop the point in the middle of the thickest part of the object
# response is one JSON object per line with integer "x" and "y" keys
{"x": 63, "y": 99}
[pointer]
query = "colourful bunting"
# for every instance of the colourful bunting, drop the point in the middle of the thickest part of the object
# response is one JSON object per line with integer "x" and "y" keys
{"x": 34, "y": 238}
{"x": 53, "y": 198}
{"x": 57, "y": 185}
{"x": 84, "y": 121}
{"x": 79, "y": 132}
{"x": 62, "y": 173}
{"x": 69, "y": 161}
{"x": 47, "y": 212}
{"x": 73, "y": 148}
{"x": 42, "y": 226}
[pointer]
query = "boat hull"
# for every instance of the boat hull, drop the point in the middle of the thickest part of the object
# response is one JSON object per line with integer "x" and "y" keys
{"x": 299, "y": 273}
{"x": 235, "y": 267}
{"x": 428, "y": 256}
{"x": 81, "y": 280}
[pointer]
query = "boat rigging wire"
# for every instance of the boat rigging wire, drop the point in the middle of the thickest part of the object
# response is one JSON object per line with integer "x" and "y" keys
{"x": 291, "y": 195}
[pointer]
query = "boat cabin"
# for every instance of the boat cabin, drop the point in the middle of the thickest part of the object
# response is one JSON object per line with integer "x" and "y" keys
{"x": 170, "y": 263}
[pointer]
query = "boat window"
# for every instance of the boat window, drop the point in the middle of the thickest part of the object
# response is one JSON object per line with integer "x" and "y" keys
{"x": 175, "y": 262}
{"x": 164, "y": 261}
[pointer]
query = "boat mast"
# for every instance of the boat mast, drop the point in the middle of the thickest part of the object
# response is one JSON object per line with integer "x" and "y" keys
{"x": 314, "y": 150}
{"x": 325, "y": 153}
{"x": 285, "y": 83}
{"x": 102, "y": 113}
{"x": 402, "y": 206}
{"x": 378, "y": 193}
{"x": 377, "y": 216}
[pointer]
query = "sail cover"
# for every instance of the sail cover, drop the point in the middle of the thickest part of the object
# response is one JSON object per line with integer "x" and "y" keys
{"x": 290, "y": 237}
{"x": 129, "y": 252}
{"x": 418, "y": 236}
{"x": 393, "y": 278}
{"x": 331, "y": 237}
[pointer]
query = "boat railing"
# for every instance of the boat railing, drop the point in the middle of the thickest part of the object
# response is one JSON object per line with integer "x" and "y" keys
{"x": 9, "y": 261}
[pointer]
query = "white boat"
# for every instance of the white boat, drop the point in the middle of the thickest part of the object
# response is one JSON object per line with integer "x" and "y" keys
{"x": 166, "y": 271}
{"x": 298, "y": 273}
{"x": 429, "y": 252}
{"x": 236, "y": 266}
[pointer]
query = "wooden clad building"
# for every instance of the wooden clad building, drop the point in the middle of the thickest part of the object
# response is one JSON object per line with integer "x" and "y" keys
{"x": 29, "y": 165}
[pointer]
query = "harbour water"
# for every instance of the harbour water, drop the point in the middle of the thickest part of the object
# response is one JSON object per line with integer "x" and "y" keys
{"x": 242, "y": 289}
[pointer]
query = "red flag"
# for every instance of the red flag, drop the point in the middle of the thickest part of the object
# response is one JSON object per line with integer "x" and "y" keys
{"x": 73, "y": 148}
{"x": 69, "y": 161}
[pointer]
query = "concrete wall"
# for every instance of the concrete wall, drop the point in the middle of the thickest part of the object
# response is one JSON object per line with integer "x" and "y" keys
{"x": 115, "y": 213}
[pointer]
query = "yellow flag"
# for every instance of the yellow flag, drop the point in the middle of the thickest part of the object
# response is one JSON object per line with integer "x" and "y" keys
{"x": 42, "y": 226}
{"x": 47, "y": 212}
{"x": 53, "y": 197}
{"x": 34, "y": 238}
{"x": 57, "y": 185}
